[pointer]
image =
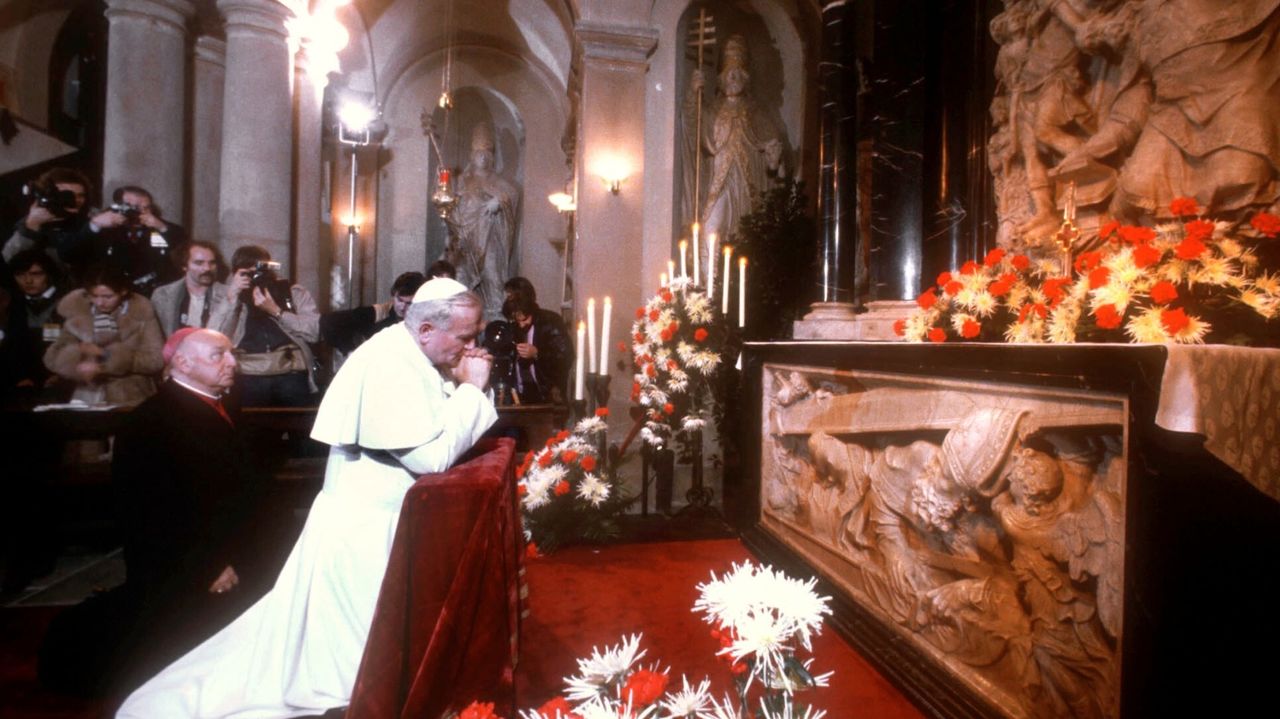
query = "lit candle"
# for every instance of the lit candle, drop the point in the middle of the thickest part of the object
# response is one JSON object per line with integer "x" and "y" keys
{"x": 662, "y": 279}
{"x": 742, "y": 291}
{"x": 724, "y": 302}
{"x": 712, "y": 241}
{"x": 604, "y": 335}
{"x": 577, "y": 379}
{"x": 671, "y": 270}
{"x": 591, "y": 333}
{"x": 684, "y": 254}
{"x": 697, "y": 273}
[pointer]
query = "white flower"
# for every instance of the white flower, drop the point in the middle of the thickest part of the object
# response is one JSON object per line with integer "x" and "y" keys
{"x": 764, "y": 601}
{"x": 698, "y": 307}
{"x": 590, "y": 425}
{"x": 601, "y": 669}
{"x": 593, "y": 489}
{"x": 724, "y": 708}
{"x": 534, "y": 499}
{"x": 691, "y": 422}
{"x": 689, "y": 701}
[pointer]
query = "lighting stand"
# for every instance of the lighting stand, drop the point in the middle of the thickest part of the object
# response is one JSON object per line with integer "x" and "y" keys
{"x": 355, "y": 138}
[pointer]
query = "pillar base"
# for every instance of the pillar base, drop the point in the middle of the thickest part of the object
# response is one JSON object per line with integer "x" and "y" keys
{"x": 837, "y": 321}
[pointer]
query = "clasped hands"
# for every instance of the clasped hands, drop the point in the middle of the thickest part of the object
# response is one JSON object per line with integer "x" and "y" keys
{"x": 474, "y": 367}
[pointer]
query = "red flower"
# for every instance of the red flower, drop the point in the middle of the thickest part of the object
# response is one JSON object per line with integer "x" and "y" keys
{"x": 970, "y": 329}
{"x": 900, "y": 327}
{"x": 545, "y": 459}
{"x": 558, "y": 706}
{"x": 1099, "y": 277}
{"x": 1164, "y": 292}
{"x": 927, "y": 299}
{"x": 1109, "y": 229}
{"x": 1174, "y": 321}
{"x": 562, "y": 488}
{"x": 562, "y": 435}
{"x": 1137, "y": 235}
{"x": 666, "y": 295}
{"x": 1145, "y": 256}
{"x": 651, "y": 370}
{"x": 672, "y": 365}
{"x": 1028, "y": 308}
{"x": 669, "y": 408}
{"x": 569, "y": 456}
{"x": 944, "y": 278}
{"x": 1108, "y": 317}
{"x": 969, "y": 268}
{"x": 993, "y": 257}
{"x": 666, "y": 335}
{"x": 700, "y": 335}
{"x": 1184, "y": 207}
{"x": 738, "y": 668}
{"x": 1002, "y": 286}
{"x": 521, "y": 490}
{"x": 644, "y": 687}
{"x": 952, "y": 287}
{"x": 1020, "y": 262}
{"x": 1199, "y": 230}
{"x": 588, "y": 463}
{"x": 1190, "y": 249}
{"x": 531, "y": 551}
{"x": 476, "y": 710}
{"x": 1266, "y": 223}
{"x": 602, "y": 412}
{"x": 653, "y": 315}
{"x": 1089, "y": 260}
{"x": 1053, "y": 287}
{"x": 937, "y": 334}
{"x": 673, "y": 327}
{"x": 639, "y": 313}
{"x": 638, "y": 337}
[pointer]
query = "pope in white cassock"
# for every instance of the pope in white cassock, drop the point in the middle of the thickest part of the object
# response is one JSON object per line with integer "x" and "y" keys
{"x": 411, "y": 400}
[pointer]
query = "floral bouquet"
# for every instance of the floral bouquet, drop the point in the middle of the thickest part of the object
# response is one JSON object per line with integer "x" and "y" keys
{"x": 678, "y": 342}
{"x": 761, "y": 617}
{"x": 1144, "y": 285}
{"x": 566, "y": 492}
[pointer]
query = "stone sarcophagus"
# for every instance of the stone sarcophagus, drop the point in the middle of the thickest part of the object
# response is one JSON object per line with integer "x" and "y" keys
{"x": 1005, "y": 528}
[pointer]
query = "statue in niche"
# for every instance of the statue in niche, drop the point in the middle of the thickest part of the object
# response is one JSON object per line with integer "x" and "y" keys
{"x": 482, "y": 227}
{"x": 741, "y": 149}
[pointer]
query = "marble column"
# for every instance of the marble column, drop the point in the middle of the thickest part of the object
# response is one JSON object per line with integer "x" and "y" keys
{"x": 143, "y": 138}
{"x": 311, "y": 256}
{"x": 208, "y": 75}
{"x": 255, "y": 202}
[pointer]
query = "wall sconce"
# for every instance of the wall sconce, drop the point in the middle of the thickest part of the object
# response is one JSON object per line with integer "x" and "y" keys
{"x": 613, "y": 171}
{"x": 562, "y": 201}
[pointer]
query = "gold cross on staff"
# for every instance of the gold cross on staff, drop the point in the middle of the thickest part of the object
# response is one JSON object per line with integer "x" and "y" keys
{"x": 1069, "y": 232}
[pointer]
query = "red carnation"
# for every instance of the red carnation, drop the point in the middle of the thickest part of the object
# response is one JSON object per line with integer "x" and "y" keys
{"x": 1190, "y": 249}
{"x": 651, "y": 370}
{"x": 1020, "y": 262}
{"x": 666, "y": 295}
{"x": 900, "y": 327}
{"x": 1137, "y": 235}
{"x": 1108, "y": 317}
{"x": 666, "y": 335}
{"x": 937, "y": 334}
{"x": 700, "y": 335}
{"x": 1028, "y": 308}
{"x": 1089, "y": 260}
{"x": 569, "y": 456}
{"x": 1174, "y": 321}
{"x": 562, "y": 435}
{"x": 562, "y": 488}
{"x": 970, "y": 329}
{"x": 653, "y": 315}
{"x": 944, "y": 278}
{"x": 545, "y": 459}
{"x": 1164, "y": 292}
{"x": 993, "y": 257}
{"x": 1109, "y": 229}
{"x": 521, "y": 490}
{"x": 1002, "y": 286}
{"x": 638, "y": 337}
{"x": 1145, "y": 255}
{"x": 1053, "y": 287}
{"x": 952, "y": 287}
{"x": 1199, "y": 230}
{"x": 602, "y": 412}
{"x": 644, "y": 687}
{"x": 476, "y": 710}
{"x": 639, "y": 313}
{"x": 531, "y": 551}
{"x": 588, "y": 463}
{"x": 669, "y": 408}
{"x": 557, "y": 707}
{"x": 927, "y": 299}
{"x": 1266, "y": 223}
{"x": 1184, "y": 207}
{"x": 672, "y": 365}
{"x": 969, "y": 268}
{"x": 1098, "y": 277}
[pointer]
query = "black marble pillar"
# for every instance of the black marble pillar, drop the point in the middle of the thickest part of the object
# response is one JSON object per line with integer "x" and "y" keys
{"x": 838, "y": 274}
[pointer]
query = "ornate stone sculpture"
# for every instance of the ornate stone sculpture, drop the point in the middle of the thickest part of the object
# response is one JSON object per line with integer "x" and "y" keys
{"x": 1137, "y": 102}
{"x": 482, "y": 227}
{"x": 741, "y": 149}
{"x": 985, "y": 523}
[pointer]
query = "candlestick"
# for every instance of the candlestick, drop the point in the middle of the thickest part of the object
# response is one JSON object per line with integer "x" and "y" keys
{"x": 742, "y": 291}
{"x": 604, "y": 335}
{"x": 712, "y": 241}
{"x": 577, "y": 378}
{"x": 724, "y": 302}
{"x": 591, "y": 333}
{"x": 697, "y": 272}
{"x": 684, "y": 253}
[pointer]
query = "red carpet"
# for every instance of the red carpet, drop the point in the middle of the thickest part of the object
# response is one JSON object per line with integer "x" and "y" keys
{"x": 582, "y": 597}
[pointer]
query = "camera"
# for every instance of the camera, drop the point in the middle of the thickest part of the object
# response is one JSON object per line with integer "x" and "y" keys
{"x": 59, "y": 203}
{"x": 264, "y": 274}
{"x": 500, "y": 341}
{"x": 131, "y": 212}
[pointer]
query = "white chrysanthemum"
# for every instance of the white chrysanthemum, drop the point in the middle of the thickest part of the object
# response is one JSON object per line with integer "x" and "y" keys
{"x": 698, "y": 307}
{"x": 1029, "y": 332}
{"x": 1112, "y": 293}
{"x": 1169, "y": 229}
{"x": 1262, "y": 303}
{"x": 749, "y": 590}
{"x": 1147, "y": 327}
{"x": 917, "y": 326}
{"x": 1215, "y": 271}
{"x": 1048, "y": 268}
{"x": 590, "y": 425}
{"x": 724, "y": 708}
{"x": 692, "y": 422}
{"x": 1194, "y": 332}
{"x": 650, "y": 437}
{"x": 704, "y": 361}
{"x": 603, "y": 668}
{"x": 661, "y": 357}
{"x": 1122, "y": 268}
{"x": 593, "y": 490}
{"x": 684, "y": 350}
{"x": 534, "y": 499}
{"x": 957, "y": 322}
{"x": 678, "y": 385}
{"x": 965, "y": 297}
{"x": 984, "y": 303}
{"x": 1230, "y": 249}
{"x": 689, "y": 701}
{"x": 1269, "y": 283}
{"x": 656, "y": 396}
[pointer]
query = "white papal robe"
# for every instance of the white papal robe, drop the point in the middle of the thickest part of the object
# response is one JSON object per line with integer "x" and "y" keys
{"x": 388, "y": 416}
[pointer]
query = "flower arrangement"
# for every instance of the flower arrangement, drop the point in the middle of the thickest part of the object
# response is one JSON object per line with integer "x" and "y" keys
{"x": 678, "y": 340}
{"x": 566, "y": 492}
{"x": 761, "y": 618}
{"x": 1145, "y": 284}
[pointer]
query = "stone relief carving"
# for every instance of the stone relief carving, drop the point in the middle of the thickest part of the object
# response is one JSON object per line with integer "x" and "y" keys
{"x": 1137, "y": 102}
{"x": 984, "y": 521}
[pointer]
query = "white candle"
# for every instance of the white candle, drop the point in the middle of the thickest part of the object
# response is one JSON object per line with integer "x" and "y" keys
{"x": 577, "y": 379}
{"x": 724, "y": 303}
{"x": 604, "y": 335}
{"x": 662, "y": 279}
{"x": 684, "y": 254}
{"x": 591, "y": 333}
{"x": 671, "y": 270}
{"x": 712, "y": 241}
{"x": 697, "y": 272}
{"x": 742, "y": 292}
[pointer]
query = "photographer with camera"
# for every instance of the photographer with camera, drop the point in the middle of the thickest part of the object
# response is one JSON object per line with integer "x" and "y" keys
{"x": 542, "y": 352}
{"x": 55, "y": 221}
{"x": 131, "y": 237}
{"x": 272, "y": 327}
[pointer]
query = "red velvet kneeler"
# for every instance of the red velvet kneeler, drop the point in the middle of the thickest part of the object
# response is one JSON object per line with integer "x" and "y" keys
{"x": 444, "y": 632}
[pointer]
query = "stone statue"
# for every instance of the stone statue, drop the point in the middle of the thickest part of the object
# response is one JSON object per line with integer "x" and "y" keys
{"x": 741, "y": 150}
{"x": 482, "y": 227}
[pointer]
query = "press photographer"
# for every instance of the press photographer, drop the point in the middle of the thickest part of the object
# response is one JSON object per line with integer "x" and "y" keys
{"x": 55, "y": 220}
{"x": 133, "y": 238}
{"x": 543, "y": 352}
{"x": 273, "y": 326}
